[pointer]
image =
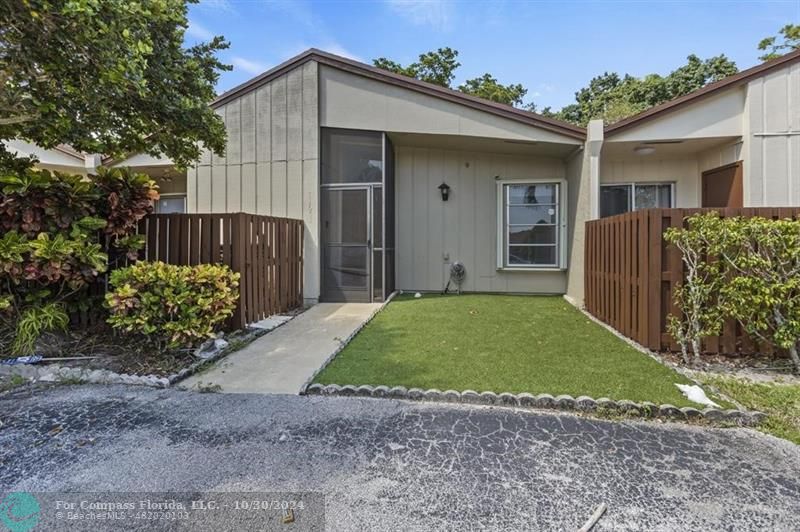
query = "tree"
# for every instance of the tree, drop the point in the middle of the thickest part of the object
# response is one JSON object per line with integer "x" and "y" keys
{"x": 763, "y": 286}
{"x": 612, "y": 97}
{"x": 488, "y": 88}
{"x": 790, "y": 35}
{"x": 696, "y": 296}
{"x": 107, "y": 77}
{"x": 437, "y": 67}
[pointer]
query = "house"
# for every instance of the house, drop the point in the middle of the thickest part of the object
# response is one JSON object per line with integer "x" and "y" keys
{"x": 396, "y": 179}
{"x": 64, "y": 158}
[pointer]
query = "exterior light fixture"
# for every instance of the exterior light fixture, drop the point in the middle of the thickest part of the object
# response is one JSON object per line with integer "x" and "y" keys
{"x": 644, "y": 150}
{"x": 444, "y": 188}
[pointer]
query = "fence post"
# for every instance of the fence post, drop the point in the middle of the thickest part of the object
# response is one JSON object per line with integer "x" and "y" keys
{"x": 239, "y": 319}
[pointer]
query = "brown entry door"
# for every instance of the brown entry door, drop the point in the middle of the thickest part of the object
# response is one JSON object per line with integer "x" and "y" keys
{"x": 722, "y": 187}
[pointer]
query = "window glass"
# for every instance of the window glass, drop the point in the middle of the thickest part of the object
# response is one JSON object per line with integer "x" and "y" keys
{"x": 531, "y": 224}
{"x": 171, "y": 205}
{"x": 618, "y": 199}
{"x": 653, "y": 196}
{"x": 351, "y": 156}
{"x": 614, "y": 199}
{"x": 531, "y": 194}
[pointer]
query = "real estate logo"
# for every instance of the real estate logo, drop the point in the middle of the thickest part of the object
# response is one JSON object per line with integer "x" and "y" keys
{"x": 19, "y": 511}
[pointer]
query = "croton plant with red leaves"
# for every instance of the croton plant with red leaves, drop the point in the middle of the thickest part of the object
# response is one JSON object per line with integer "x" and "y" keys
{"x": 62, "y": 232}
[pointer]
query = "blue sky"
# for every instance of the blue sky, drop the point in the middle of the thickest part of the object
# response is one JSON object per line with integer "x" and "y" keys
{"x": 552, "y": 48}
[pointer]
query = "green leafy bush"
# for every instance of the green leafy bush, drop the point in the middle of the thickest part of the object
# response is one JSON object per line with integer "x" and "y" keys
{"x": 747, "y": 269}
{"x": 60, "y": 234}
{"x": 172, "y": 306}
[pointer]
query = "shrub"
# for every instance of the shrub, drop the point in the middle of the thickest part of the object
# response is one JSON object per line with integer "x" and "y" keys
{"x": 59, "y": 233}
{"x": 747, "y": 269}
{"x": 172, "y": 306}
{"x": 697, "y": 292}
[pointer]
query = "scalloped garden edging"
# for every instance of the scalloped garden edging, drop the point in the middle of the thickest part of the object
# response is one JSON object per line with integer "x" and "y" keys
{"x": 583, "y": 403}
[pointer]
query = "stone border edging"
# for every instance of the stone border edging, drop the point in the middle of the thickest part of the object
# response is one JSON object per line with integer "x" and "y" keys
{"x": 343, "y": 343}
{"x": 582, "y": 403}
{"x": 57, "y": 373}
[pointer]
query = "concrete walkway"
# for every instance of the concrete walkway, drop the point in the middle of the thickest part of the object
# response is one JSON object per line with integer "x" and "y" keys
{"x": 282, "y": 360}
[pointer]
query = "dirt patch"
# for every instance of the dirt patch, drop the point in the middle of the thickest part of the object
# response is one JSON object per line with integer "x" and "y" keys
{"x": 112, "y": 352}
{"x": 760, "y": 368}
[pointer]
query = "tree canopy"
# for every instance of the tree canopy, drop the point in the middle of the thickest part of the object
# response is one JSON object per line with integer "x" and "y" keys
{"x": 788, "y": 39}
{"x": 439, "y": 66}
{"x": 612, "y": 97}
{"x": 609, "y": 96}
{"x": 108, "y": 77}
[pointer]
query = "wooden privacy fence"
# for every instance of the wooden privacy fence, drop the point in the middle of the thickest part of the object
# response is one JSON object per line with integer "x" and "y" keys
{"x": 266, "y": 251}
{"x": 630, "y": 272}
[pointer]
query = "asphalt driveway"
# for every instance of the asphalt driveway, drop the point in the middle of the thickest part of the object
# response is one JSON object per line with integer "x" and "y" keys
{"x": 390, "y": 465}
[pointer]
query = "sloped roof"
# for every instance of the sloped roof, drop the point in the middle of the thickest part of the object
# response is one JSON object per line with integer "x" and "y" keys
{"x": 711, "y": 89}
{"x": 361, "y": 69}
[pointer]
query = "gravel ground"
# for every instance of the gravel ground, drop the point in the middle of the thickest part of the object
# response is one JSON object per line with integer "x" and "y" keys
{"x": 393, "y": 465}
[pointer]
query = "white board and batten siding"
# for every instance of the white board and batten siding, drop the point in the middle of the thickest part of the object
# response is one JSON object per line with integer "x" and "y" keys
{"x": 465, "y": 226}
{"x": 271, "y": 164}
{"x": 772, "y": 147}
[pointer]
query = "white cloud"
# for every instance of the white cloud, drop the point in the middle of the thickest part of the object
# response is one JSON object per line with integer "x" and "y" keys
{"x": 251, "y": 67}
{"x": 198, "y": 32}
{"x": 338, "y": 49}
{"x": 436, "y": 13}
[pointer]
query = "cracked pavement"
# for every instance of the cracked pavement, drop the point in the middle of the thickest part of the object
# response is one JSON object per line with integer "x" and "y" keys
{"x": 394, "y": 465}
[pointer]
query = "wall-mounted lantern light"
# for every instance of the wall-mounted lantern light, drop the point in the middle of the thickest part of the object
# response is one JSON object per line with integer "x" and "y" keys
{"x": 444, "y": 188}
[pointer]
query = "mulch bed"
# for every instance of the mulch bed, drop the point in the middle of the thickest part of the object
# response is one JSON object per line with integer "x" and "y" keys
{"x": 113, "y": 352}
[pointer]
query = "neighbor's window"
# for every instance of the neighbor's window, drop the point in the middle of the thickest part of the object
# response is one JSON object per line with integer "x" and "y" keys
{"x": 621, "y": 198}
{"x": 172, "y": 204}
{"x": 531, "y": 225}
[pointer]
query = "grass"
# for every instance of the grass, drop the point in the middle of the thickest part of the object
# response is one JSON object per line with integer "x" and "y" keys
{"x": 781, "y": 403}
{"x": 534, "y": 344}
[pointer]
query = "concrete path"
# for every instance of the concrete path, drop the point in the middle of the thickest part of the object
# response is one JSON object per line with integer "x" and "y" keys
{"x": 284, "y": 359}
{"x": 382, "y": 464}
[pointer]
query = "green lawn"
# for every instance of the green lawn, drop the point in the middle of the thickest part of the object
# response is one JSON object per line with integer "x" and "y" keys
{"x": 514, "y": 344}
{"x": 781, "y": 403}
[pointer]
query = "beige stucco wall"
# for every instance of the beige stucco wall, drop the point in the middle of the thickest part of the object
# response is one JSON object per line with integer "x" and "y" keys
{"x": 465, "y": 226}
{"x": 271, "y": 165}
{"x": 771, "y": 149}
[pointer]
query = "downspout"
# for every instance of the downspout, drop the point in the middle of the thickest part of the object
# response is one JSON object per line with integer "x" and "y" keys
{"x": 594, "y": 144}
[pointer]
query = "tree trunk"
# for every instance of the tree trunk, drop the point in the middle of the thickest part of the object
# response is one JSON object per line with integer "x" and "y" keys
{"x": 696, "y": 350}
{"x": 795, "y": 357}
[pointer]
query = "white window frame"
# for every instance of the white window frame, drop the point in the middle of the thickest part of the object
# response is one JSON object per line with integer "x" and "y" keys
{"x": 561, "y": 226}
{"x": 171, "y": 195}
{"x": 632, "y": 194}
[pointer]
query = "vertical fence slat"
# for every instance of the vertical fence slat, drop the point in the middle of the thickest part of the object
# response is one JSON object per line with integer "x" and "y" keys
{"x": 630, "y": 275}
{"x": 266, "y": 251}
